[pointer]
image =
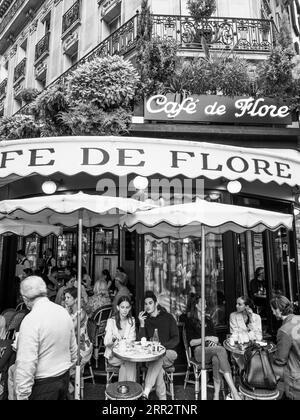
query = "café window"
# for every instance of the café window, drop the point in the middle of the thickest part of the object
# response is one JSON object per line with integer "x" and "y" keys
{"x": 173, "y": 273}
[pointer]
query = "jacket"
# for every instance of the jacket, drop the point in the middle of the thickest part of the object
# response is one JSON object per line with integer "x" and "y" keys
{"x": 288, "y": 351}
{"x": 238, "y": 326}
{"x": 111, "y": 331}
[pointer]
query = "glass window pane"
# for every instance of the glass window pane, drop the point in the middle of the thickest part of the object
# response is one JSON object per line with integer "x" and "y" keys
{"x": 173, "y": 272}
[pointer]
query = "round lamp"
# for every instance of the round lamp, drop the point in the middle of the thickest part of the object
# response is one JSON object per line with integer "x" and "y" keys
{"x": 296, "y": 212}
{"x": 49, "y": 187}
{"x": 234, "y": 187}
{"x": 140, "y": 183}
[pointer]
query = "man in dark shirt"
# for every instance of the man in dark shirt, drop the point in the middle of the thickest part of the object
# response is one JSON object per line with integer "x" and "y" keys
{"x": 258, "y": 290}
{"x": 156, "y": 317}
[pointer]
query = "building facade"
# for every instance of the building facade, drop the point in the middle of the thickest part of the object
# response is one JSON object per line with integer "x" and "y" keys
{"x": 42, "y": 41}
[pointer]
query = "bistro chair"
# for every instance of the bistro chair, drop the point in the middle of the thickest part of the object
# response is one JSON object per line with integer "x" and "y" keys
{"x": 100, "y": 317}
{"x": 169, "y": 380}
{"x": 88, "y": 376}
{"x": 195, "y": 366}
{"x": 8, "y": 315}
{"x": 111, "y": 371}
{"x": 15, "y": 323}
{"x": 20, "y": 306}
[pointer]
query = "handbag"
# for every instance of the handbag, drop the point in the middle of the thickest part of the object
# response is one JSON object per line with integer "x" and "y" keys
{"x": 258, "y": 372}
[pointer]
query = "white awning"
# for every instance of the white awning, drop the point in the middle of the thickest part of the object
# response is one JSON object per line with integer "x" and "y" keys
{"x": 145, "y": 156}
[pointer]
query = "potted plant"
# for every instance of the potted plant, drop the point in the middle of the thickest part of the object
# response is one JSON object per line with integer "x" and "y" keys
{"x": 28, "y": 95}
{"x": 201, "y": 11}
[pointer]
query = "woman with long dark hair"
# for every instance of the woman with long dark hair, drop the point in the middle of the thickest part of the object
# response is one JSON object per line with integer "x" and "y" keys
{"x": 121, "y": 327}
{"x": 214, "y": 353}
{"x": 244, "y": 323}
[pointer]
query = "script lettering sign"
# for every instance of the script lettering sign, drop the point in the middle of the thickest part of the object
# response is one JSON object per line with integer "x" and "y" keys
{"x": 217, "y": 109}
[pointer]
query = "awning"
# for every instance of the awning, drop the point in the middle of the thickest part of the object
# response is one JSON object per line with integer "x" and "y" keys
{"x": 122, "y": 156}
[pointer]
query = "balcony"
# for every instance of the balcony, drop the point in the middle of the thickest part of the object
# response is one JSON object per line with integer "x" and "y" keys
{"x": 15, "y": 18}
{"x": 42, "y": 48}
{"x": 41, "y": 71}
{"x": 18, "y": 90}
{"x": 246, "y": 35}
{"x": 110, "y": 9}
{"x": 19, "y": 73}
{"x": 70, "y": 45}
{"x": 71, "y": 18}
{"x": 3, "y": 87}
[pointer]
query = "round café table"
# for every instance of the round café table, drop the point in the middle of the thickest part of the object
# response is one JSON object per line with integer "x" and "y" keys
{"x": 239, "y": 349}
{"x": 138, "y": 353}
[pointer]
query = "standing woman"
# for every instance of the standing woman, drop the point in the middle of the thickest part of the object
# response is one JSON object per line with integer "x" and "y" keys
{"x": 214, "y": 353}
{"x": 121, "y": 326}
{"x": 86, "y": 347}
{"x": 286, "y": 361}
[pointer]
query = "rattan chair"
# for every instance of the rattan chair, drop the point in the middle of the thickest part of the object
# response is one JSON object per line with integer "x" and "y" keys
{"x": 111, "y": 371}
{"x": 194, "y": 367}
{"x": 100, "y": 317}
{"x": 8, "y": 315}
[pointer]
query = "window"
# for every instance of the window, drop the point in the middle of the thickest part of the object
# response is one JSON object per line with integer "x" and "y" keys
{"x": 173, "y": 272}
{"x": 114, "y": 24}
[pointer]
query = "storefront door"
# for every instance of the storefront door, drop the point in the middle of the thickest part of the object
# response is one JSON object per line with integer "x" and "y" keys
{"x": 266, "y": 268}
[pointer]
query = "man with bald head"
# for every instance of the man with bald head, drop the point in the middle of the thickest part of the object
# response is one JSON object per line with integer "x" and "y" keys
{"x": 46, "y": 346}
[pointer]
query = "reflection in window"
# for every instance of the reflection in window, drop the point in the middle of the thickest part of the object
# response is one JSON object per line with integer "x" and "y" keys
{"x": 173, "y": 272}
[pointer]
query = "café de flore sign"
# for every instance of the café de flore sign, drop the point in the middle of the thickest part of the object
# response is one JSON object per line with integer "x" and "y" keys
{"x": 217, "y": 109}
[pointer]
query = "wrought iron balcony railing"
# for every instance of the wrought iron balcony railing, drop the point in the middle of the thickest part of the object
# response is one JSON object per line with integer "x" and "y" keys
{"x": 20, "y": 70}
{"x": 3, "y": 86}
{"x": 42, "y": 46}
{"x": 249, "y": 35}
{"x": 71, "y": 16}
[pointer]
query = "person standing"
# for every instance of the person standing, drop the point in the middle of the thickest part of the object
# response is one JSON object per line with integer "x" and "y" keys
{"x": 156, "y": 317}
{"x": 286, "y": 361}
{"x": 47, "y": 346}
{"x": 49, "y": 262}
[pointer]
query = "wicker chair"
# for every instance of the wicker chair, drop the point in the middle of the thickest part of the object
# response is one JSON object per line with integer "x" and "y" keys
{"x": 195, "y": 366}
{"x": 100, "y": 317}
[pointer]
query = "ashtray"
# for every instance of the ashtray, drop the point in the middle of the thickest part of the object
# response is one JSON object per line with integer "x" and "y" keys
{"x": 123, "y": 389}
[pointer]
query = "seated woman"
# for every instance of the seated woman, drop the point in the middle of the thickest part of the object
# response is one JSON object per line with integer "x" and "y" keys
{"x": 245, "y": 325}
{"x": 100, "y": 297}
{"x": 121, "y": 326}
{"x": 286, "y": 361}
{"x": 214, "y": 354}
{"x": 86, "y": 347}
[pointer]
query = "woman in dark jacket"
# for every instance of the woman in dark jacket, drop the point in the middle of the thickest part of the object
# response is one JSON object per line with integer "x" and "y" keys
{"x": 214, "y": 353}
{"x": 287, "y": 356}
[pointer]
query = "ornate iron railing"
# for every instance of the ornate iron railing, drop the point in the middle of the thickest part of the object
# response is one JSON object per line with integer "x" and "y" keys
{"x": 71, "y": 16}
{"x": 10, "y": 14}
{"x": 3, "y": 86}
{"x": 251, "y": 35}
{"x": 20, "y": 70}
{"x": 42, "y": 46}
